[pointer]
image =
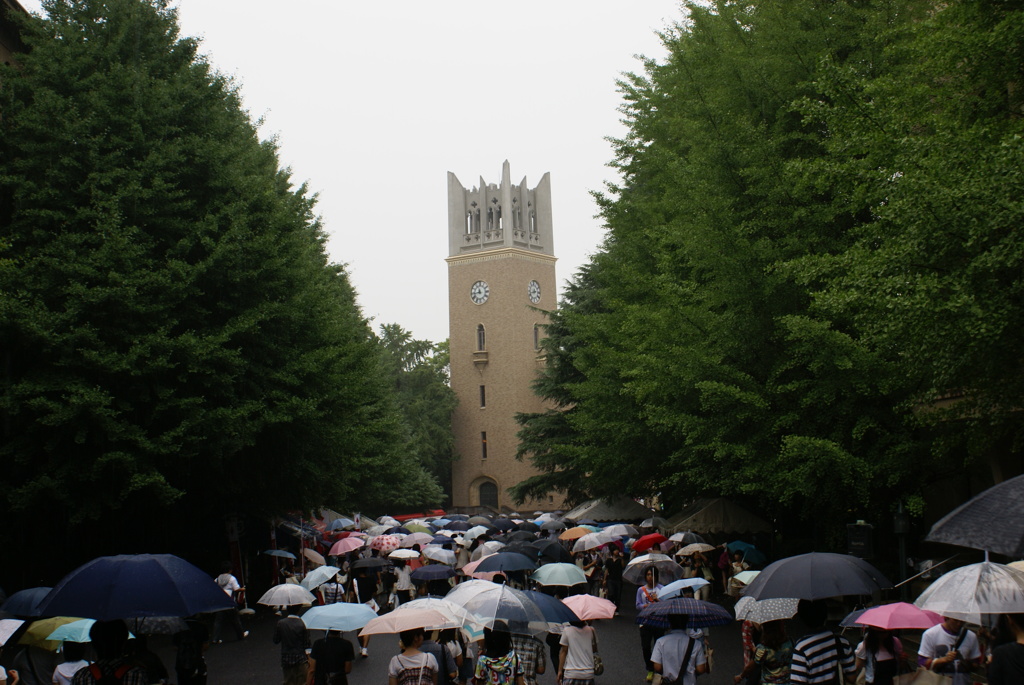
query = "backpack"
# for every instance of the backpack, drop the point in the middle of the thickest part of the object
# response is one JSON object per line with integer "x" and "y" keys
{"x": 109, "y": 678}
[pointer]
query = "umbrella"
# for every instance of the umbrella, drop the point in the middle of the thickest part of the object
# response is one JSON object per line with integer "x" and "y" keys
{"x": 404, "y": 554}
{"x": 338, "y": 616}
{"x": 25, "y": 602}
{"x": 397, "y": 530}
{"x": 739, "y": 546}
{"x": 465, "y": 590}
{"x": 342, "y": 547}
{"x": 314, "y": 556}
{"x": 504, "y": 524}
{"x": 592, "y": 541}
{"x": 480, "y": 521}
{"x": 970, "y": 591}
{"x": 575, "y": 533}
{"x": 399, "y": 620}
{"x": 755, "y": 557}
{"x": 287, "y": 594}
{"x": 523, "y": 535}
{"x": 432, "y": 572}
{"x": 654, "y": 522}
{"x": 622, "y": 530}
{"x": 370, "y": 562}
{"x": 553, "y": 524}
{"x": 157, "y": 625}
{"x": 76, "y": 631}
{"x": 38, "y": 631}
{"x": 895, "y": 616}
{"x": 817, "y": 575}
{"x": 470, "y": 570}
{"x": 416, "y": 539}
{"x": 688, "y": 538}
{"x": 319, "y": 576}
{"x": 488, "y": 548}
{"x": 457, "y": 525}
{"x": 528, "y": 527}
{"x": 676, "y": 587}
{"x": 500, "y": 604}
{"x": 455, "y": 615}
{"x": 702, "y": 614}
{"x": 135, "y": 585}
{"x": 765, "y": 610}
{"x": 554, "y": 610}
{"x": 504, "y": 562}
{"x": 588, "y": 607}
{"x": 745, "y": 576}
{"x": 8, "y": 626}
{"x": 420, "y": 528}
{"x": 648, "y": 541}
{"x": 441, "y": 539}
{"x": 559, "y": 574}
{"x": 990, "y": 521}
{"x": 338, "y": 524}
{"x": 445, "y": 556}
{"x": 475, "y": 532}
{"x": 385, "y": 543}
{"x": 667, "y": 568}
{"x": 280, "y": 553}
{"x": 527, "y": 549}
{"x": 552, "y": 550}
{"x": 693, "y": 548}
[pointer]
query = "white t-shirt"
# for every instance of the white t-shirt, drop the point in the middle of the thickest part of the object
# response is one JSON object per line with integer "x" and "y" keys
{"x": 936, "y": 642}
{"x": 400, "y": 663}
{"x": 669, "y": 651}
{"x": 228, "y": 583}
{"x": 63, "y": 674}
{"x": 579, "y": 662}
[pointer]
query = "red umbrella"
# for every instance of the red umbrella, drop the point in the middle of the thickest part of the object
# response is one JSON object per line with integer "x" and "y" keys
{"x": 648, "y": 541}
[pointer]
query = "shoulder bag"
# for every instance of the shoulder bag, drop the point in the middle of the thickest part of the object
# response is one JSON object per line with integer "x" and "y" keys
{"x": 598, "y": 662}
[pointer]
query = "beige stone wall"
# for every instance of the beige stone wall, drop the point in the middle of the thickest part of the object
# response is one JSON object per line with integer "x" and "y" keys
{"x": 511, "y": 366}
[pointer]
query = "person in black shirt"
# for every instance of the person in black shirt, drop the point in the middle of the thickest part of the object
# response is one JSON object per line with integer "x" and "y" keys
{"x": 613, "y": 568}
{"x": 1007, "y": 664}
{"x": 330, "y": 660}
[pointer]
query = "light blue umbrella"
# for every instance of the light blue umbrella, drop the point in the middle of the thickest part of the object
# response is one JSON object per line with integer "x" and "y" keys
{"x": 340, "y": 616}
{"x": 676, "y": 587}
{"x": 279, "y": 553}
{"x": 559, "y": 574}
{"x": 76, "y": 631}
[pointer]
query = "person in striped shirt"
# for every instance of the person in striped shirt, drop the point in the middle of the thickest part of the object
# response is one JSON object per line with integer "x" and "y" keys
{"x": 817, "y": 656}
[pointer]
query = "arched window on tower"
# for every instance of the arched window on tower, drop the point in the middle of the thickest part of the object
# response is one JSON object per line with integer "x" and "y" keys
{"x": 481, "y": 338}
{"x": 489, "y": 495}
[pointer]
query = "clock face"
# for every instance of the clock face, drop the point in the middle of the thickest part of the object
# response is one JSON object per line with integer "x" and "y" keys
{"x": 479, "y": 292}
{"x": 533, "y": 289}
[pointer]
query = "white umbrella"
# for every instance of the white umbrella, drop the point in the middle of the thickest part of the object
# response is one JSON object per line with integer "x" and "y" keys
{"x": 765, "y": 610}
{"x": 319, "y": 576}
{"x": 970, "y": 591}
{"x": 693, "y": 549}
{"x": 667, "y": 569}
{"x": 376, "y": 530}
{"x": 457, "y": 615}
{"x": 287, "y": 594}
{"x": 461, "y": 593}
{"x": 439, "y": 554}
{"x": 7, "y": 628}
{"x": 404, "y": 554}
{"x": 475, "y": 532}
{"x": 620, "y": 529}
{"x": 489, "y": 547}
{"x": 592, "y": 541}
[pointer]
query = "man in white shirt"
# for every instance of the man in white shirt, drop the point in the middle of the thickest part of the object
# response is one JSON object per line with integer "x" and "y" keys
{"x": 677, "y": 656}
{"x": 949, "y": 648}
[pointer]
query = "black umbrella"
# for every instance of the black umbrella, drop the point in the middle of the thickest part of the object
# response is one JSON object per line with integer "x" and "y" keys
{"x": 505, "y": 562}
{"x": 25, "y": 602}
{"x": 371, "y": 562}
{"x": 522, "y": 535}
{"x": 529, "y": 526}
{"x": 552, "y": 550}
{"x": 701, "y": 614}
{"x": 457, "y": 517}
{"x": 553, "y": 524}
{"x": 816, "y": 576}
{"x": 527, "y": 549}
{"x": 992, "y": 521}
{"x": 457, "y": 525}
{"x": 135, "y": 586}
{"x": 554, "y": 610}
{"x": 432, "y": 572}
{"x": 504, "y": 524}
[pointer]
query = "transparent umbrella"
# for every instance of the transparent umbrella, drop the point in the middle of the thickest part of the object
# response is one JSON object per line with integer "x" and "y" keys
{"x": 970, "y": 591}
{"x": 502, "y": 606}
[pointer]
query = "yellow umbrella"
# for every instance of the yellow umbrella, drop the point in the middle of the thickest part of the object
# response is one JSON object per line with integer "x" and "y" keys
{"x": 417, "y": 528}
{"x": 35, "y": 635}
{"x": 575, "y": 533}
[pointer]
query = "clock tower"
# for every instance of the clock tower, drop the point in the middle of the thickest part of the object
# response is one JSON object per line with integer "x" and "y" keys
{"x": 501, "y": 281}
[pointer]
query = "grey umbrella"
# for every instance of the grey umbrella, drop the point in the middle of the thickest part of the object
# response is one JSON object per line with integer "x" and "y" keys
{"x": 992, "y": 521}
{"x": 816, "y": 576}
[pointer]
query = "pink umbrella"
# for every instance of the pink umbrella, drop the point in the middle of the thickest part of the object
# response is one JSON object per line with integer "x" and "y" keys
{"x": 589, "y": 607}
{"x": 470, "y": 570}
{"x": 345, "y": 546}
{"x": 385, "y": 543}
{"x": 897, "y": 616}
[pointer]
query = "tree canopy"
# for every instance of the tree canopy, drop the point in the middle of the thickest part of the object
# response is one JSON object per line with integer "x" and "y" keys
{"x": 811, "y": 241}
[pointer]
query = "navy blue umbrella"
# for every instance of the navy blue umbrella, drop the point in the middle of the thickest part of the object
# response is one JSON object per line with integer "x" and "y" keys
{"x": 701, "y": 614}
{"x": 441, "y": 540}
{"x": 433, "y": 572}
{"x": 505, "y": 562}
{"x": 554, "y": 610}
{"x": 25, "y": 602}
{"x": 457, "y": 525}
{"x": 397, "y": 529}
{"x": 135, "y": 586}
{"x": 504, "y": 524}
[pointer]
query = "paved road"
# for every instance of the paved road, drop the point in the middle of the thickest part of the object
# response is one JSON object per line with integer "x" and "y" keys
{"x": 256, "y": 660}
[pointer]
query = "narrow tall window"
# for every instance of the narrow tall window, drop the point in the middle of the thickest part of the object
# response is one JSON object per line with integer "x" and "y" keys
{"x": 536, "y": 337}
{"x": 481, "y": 338}
{"x": 483, "y": 444}
{"x": 483, "y": 396}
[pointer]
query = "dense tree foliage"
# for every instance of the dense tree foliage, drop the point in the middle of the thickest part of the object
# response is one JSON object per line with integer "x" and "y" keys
{"x": 814, "y": 235}
{"x": 172, "y": 333}
{"x": 418, "y": 370}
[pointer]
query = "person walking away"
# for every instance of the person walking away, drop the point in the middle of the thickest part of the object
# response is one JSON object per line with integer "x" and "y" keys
{"x": 447, "y": 669}
{"x": 364, "y": 586}
{"x": 951, "y": 649}
{"x": 817, "y": 656}
{"x": 530, "y": 651}
{"x": 412, "y": 667}
{"x": 750, "y": 633}
{"x": 74, "y": 661}
{"x": 613, "y": 568}
{"x": 190, "y": 660}
{"x": 702, "y": 569}
{"x": 576, "y": 660}
{"x": 332, "y": 592}
{"x": 141, "y": 655}
{"x": 772, "y": 657}
{"x": 645, "y": 594}
{"x": 1007, "y": 666}
{"x": 330, "y": 660}
{"x": 451, "y": 639}
{"x": 229, "y": 584}
{"x": 879, "y": 654}
{"x": 110, "y": 641}
{"x": 498, "y": 664}
{"x": 403, "y": 583}
{"x": 290, "y": 632}
{"x": 678, "y": 656}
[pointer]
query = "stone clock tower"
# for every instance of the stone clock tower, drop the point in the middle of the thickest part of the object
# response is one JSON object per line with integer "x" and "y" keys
{"x": 501, "y": 272}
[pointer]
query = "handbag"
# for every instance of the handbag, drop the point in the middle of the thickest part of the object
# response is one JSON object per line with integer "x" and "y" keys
{"x": 598, "y": 662}
{"x": 709, "y": 656}
{"x": 922, "y": 676}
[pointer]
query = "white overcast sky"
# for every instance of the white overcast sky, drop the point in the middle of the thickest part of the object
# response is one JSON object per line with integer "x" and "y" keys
{"x": 373, "y": 102}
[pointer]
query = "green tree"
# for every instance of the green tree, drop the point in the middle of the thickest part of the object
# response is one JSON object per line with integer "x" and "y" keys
{"x": 173, "y": 334}
{"x": 418, "y": 370}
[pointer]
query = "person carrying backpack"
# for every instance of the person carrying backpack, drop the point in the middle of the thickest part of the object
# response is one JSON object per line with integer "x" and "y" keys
{"x": 113, "y": 665}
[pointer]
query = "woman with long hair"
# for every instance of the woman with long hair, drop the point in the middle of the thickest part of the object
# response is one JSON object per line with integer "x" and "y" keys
{"x": 645, "y": 594}
{"x": 499, "y": 663}
{"x": 879, "y": 654}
